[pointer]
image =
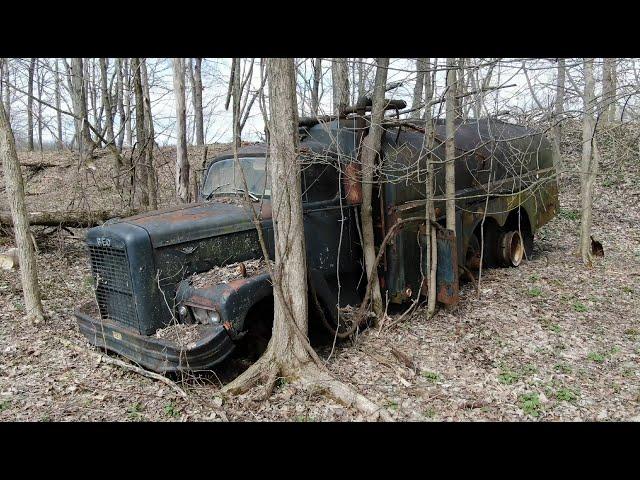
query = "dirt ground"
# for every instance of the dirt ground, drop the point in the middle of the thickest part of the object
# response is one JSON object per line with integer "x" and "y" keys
{"x": 550, "y": 340}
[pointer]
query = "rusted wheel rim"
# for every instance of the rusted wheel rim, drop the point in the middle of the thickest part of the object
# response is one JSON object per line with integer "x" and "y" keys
{"x": 512, "y": 248}
{"x": 517, "y": 249}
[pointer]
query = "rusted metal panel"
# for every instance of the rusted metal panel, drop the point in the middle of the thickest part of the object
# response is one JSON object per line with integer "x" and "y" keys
{"x": 447, "y": 271}
{"x": 161, "y": 249}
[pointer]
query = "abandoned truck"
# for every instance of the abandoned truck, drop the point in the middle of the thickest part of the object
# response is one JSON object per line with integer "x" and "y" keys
{"x": 151, "y": 270}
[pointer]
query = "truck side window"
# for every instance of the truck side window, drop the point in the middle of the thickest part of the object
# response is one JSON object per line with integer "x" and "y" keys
{"x": 319, "y": 182}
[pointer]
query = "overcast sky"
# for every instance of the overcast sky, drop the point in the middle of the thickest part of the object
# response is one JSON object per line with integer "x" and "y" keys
{"x": 215, "y": 73}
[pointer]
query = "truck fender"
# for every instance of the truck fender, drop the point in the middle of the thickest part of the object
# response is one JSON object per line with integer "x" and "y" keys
{"x": 231, "y": 300}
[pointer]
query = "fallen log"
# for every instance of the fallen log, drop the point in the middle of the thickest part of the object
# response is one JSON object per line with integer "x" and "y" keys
{"x": 67, "y": 219}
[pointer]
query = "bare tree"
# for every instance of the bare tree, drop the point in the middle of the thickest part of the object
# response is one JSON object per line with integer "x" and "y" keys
{"x": 32, "y": 68}
{"x": 78, "y": 100}
{"x": 7, "y": 92}
{"x": 149, "y": 137}
{"x": 613, "y": 110}
{"x": 315, "y": 90}
{"x": 182, "y": 162}
{"x": 141, "y": 145}
{"x": 15, "y": 192}
{"x": 430, "y": 214}
{"x": 340, "y": 83}
{"x": 237, "y": 90}
{"x": 450, "y": 148}
{"x": 421, "y": 64}
{"x": 289, "y": 353}
{"x": 429, "y": 87}
{"x": 126, "y": 72}
{"x": 197, "y": 101}
{"x": 589, "y": 164}
{"x": 120, "y": 101}
{"x": 607, "y": 105}
{"x": 481, "y": 85}
{"x": 106, "y": 100}
{"x": 361, "y": 77}
{"x": 59, "y": 141}
{"x": 459, "y": 87}
{"x": 370, "y": 149}
{"x": 558, "y": 110}
{"x": 40, "y": 79}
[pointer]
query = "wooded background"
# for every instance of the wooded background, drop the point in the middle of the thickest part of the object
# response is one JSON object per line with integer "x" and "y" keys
{"x": 134, "y": 133}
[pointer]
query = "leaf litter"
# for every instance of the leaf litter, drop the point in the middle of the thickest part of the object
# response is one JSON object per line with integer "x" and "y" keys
{"x": 506, "y": 355}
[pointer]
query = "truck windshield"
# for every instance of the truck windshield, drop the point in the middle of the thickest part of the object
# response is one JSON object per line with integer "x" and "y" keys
{"x": 224, "y": 177}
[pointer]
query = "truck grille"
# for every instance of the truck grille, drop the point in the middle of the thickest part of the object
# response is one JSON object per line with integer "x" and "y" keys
{"x": 110, "y": 268}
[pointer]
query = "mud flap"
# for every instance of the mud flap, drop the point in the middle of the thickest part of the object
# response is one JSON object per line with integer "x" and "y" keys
{"x": 447, "y": 271}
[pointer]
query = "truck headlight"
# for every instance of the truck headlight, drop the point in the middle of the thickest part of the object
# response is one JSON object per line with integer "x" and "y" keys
{"x": 205, "y": 316}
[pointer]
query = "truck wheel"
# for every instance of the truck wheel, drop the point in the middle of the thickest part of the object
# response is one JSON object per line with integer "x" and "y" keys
{"x": 472, "y": 258}
{"x": 510, "y": 249}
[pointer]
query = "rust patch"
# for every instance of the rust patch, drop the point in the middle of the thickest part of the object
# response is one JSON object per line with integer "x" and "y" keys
{"x": 447, "y": 269}
{"x": 352, "y": 183}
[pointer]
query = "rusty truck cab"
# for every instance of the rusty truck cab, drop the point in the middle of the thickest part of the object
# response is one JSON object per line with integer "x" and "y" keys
{"x": 145, "y": 267}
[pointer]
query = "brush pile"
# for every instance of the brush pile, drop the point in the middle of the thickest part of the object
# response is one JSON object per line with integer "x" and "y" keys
{"x": 228, "y": 273}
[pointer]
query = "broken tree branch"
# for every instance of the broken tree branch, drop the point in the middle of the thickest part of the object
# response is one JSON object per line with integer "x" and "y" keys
{"x": 126, "y": 366}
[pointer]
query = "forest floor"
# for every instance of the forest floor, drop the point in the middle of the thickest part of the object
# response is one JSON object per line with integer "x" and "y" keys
{"x": 550, "y": 340}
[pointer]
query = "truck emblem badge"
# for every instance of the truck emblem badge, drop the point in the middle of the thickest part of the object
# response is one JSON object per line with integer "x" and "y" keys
{"x": 103, "y": 242}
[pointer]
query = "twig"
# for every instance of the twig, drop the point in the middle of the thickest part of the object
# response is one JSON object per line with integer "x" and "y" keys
{"x": 127, "y": 366}
{"x": 404, "y": 358}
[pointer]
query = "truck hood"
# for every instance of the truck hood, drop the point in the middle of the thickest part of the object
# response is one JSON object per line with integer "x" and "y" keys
{"x": 196, "y": 221}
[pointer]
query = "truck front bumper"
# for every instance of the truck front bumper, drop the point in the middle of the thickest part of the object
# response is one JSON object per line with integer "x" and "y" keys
{"x": 157, "y": 354}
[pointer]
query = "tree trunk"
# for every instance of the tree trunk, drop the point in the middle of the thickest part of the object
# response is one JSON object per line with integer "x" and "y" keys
{"x": 288, "y": 353}
{"x": 340, "y": 82}
{"x": 607, "y": 104}
{"x": 558, "y": 110}
{"x": 236, "y": 89}
{"x": 3, "y": 67}
{"x": 40, "y": 87}
{"x": 182, "y": 162}
{"x": 361, "y": 78}
{"x": 315, "y": 90}
{"x": 15, "y": 192}
{"x": 149, "y": 136}
{"x": 459, "y": 88}
{"x": 450, "y": 151}
{"x": 141, "y": 139}
{"x": 127, "y": 103}
{"x": 120, "y": 102}
{"x": 370, "y": 149}
{"x": 32, "y": 68}
{"x": 421, "y": 64}
{"x": 106, "y": 100}
{"x": 290, "y": 254}
{"x": 430, "y": 232}
{"x": 78, "y": 99}
{"x": 589, "y": 164}
{"x": 429, "y": 87}
{"x": 613, "y": 110}
{"x": 92, "y": 83}
{"x": 197, "y": 101}
{"x": 7, "y": 92}
{"x": 60, "y": 141}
